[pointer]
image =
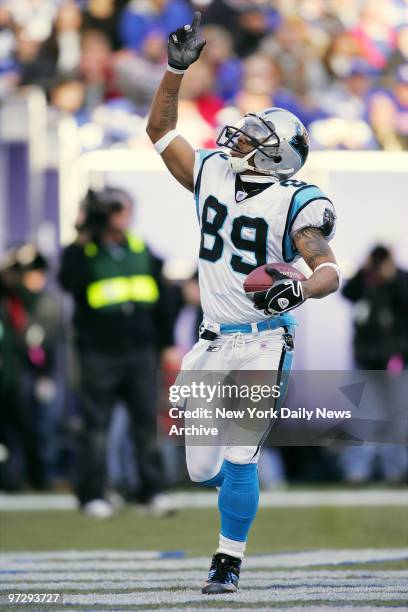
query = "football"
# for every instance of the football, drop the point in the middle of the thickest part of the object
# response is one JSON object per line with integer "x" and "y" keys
{"x": 259, "y": 279}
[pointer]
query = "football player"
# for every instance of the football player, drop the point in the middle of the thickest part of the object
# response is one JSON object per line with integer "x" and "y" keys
{"x": 251, "y": 212}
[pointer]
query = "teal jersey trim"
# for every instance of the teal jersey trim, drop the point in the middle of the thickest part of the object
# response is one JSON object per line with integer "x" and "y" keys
{"x": 283, "y": 375}
{"x": 203, "y": 155}
{"x": 300, "y": 199}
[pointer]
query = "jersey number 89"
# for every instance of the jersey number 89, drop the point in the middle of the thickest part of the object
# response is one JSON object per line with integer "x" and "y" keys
{"x": 212, "y": 220}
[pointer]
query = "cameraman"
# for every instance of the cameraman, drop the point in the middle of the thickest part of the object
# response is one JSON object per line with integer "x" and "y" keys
{"x": 379, "y": 294}
{"x": 122, "y": 318}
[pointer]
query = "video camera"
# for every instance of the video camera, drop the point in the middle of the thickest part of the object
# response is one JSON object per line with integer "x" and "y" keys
{"x": 98, "y": 206}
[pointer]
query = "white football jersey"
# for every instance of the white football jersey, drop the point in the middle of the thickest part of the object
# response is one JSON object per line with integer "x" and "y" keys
{"x": 240, "y": 231}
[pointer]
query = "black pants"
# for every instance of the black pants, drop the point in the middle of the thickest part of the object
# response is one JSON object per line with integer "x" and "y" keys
{"x": 106, "y": 378}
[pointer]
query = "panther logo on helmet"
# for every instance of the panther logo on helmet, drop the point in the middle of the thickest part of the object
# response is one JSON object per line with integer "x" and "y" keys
{"x": 279, "y": 139}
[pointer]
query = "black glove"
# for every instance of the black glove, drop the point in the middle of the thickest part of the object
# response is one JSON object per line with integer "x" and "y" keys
{"x": 284, "y": 295}
{"x": 183, "y": 47}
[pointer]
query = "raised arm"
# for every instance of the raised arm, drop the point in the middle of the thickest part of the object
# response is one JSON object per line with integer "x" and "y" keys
{"x": 178, "y": 155}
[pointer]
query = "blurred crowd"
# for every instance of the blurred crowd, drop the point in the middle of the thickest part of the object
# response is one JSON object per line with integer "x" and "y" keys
{"x": 30, "y": 401}
{"x": 340, "y": 65}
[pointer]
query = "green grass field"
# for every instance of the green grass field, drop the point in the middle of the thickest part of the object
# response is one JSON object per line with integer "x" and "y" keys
{"x": 195, "y": 530}
{"x": 299, "y": 558}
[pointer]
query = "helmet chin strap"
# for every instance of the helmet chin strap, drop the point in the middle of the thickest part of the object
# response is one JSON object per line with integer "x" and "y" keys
{"x": 240, "y": 164}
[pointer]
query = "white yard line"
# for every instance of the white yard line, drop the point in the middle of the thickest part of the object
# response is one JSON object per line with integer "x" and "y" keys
{"x": 247, "y": 582}
{"x": 249, "y": 577}
{"x": 208, "y": 499}
{"x": 312, "y": 608}
{"x": 86, "y": 555}
{"x": 166, "y": 597}
{"x": 152, "y": 580}
{"x": 26, "y": 561}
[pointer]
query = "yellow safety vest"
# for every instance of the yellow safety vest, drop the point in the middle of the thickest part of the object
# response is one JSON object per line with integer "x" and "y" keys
{"x": 111, "y": 286}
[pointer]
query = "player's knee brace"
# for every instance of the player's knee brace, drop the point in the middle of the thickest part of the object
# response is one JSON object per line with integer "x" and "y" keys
{"x": 238, "y": 499}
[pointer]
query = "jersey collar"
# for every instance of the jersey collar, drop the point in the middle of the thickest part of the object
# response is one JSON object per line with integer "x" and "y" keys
{"x": 250, "y": 186}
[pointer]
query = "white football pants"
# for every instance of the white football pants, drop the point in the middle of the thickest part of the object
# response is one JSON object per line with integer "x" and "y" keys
{"x": 266, "y": 350}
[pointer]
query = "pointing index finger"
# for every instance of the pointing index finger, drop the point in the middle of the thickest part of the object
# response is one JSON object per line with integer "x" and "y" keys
{"x": 196, "y": 22}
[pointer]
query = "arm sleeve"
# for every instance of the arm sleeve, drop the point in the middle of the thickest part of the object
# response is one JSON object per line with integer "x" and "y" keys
{"x": 319, "y": 213}
{"x": 309, "y": 207}
{"x": 201, "y": 155}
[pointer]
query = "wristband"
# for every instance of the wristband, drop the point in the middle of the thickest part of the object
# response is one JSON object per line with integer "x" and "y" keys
{"x": 330, "y": 265}
{"x": 163, "y": 142}
{"x": 175, "y": 70}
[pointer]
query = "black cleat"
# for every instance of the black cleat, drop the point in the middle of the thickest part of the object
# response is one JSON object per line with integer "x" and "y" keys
{"x": 223, "y": 575}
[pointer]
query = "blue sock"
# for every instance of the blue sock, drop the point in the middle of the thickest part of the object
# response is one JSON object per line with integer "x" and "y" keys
{"x": 238, "y": 499}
